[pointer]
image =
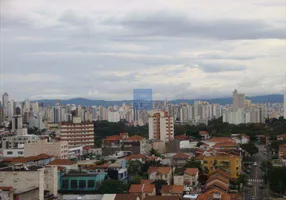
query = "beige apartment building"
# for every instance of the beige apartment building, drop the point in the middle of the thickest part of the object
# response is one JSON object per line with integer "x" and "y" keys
{"x": 59, "y": 149}
{"x": 161, "y": 126}
{"x": 77, "y": 133}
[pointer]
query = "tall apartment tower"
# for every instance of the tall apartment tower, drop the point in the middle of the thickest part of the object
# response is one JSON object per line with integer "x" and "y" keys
{"x": 161, "y": 126}
{"x": 238, "y": 101}
{"x": 77, "y": 133}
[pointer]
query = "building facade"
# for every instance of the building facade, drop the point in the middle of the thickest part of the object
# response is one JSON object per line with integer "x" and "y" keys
{"x": 77, "y": 133}
{"x": 161, "y": 126}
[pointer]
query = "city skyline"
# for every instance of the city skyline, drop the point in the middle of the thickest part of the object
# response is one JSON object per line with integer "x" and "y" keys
{"x": 185, "y": 50}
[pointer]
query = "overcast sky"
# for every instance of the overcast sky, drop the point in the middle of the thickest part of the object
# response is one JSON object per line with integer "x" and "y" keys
{"x": 179, "y": 48}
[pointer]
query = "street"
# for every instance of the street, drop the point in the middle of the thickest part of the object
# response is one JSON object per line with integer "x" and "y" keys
{"x": 255, "y": 178}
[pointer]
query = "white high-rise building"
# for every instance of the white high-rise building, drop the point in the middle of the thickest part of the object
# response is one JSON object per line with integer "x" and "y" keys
{"x": 161, "y": 126}
{"x": 10, "y": 109}
{"x": 27, "y": 106}
{"x": 238, "y": 101}
{"x": 113, "y": 116}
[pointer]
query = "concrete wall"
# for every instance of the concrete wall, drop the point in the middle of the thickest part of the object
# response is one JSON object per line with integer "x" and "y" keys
{"x": 57, "y": 149}
{"x": 51, "y": 180}
{"x": 24, "y": 181}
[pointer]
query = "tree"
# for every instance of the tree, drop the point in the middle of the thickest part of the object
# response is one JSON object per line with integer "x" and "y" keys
{"x": 113, "y": 187}
{"x": 155, "y": 152}
{"x": 158, "y": 185}
{"x": 136, "y": 179}
{"x": 242, "y": 179}
{"x": 134, "y": 167}
{"x": 250, "y": 148}
{"x": 194, "y": 164}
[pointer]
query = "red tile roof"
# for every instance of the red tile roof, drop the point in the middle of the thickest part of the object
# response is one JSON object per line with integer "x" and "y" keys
{"x": 225, "y": 144}
{"x": 221, "y": 139}
{"x": 61, "y": 162}
{"x": 181, "y": 156}
{"x": 182, "y": 137}
{"x": 172, "y": 189}
{"x": 30, "y": 158}
{"x": 142, "y": 188}
{"x": 162, "y": 198}
{"x": 146, "y": 181}
{"x": 6, "y": 188}
{"x": 192, "y": 171}
{"x": 135, "y": 138}
{"x": 204, "y": 133}
{"x": 113, "y": 138}
{"x": 125, "y": 197}
{"x": 160, "y": 170}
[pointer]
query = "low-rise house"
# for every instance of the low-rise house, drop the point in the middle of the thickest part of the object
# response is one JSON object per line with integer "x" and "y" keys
{"x": 164, "y": 173}
{"x": 240, "y": 138}
{"x": 261, "y": 139}
{"x": 143, "y": 190}
{"x": 136, "y": 144}
{"x": 77, "y": 182}
{"x": 230, "y": 163}
{"x": 118, "y": 170}
{"x": 66, "y": 163}
{"x": 30, "y": 182}
{"x": 281, "y": 137}
{"x": 191, "y": 176}
{"x": 39, "y": 160}
{"x": 162, "y": 198}
{"x": 216, "y": 193}
{"x": 172, "y": 190}
{"x": 204, "y": 134}
{"x": 282, "y": 151}
{"x": 180, "y": 159}
{"x": 225, "y": 145}
{"x": 139, "y": 157}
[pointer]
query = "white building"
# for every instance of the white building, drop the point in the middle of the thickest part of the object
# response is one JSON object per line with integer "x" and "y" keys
{"x": 10, "y": 109}
{"x": 161, "y": 126}
{"x": 113, "y": 116}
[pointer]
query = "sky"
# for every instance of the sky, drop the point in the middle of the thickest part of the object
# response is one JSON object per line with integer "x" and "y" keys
{"x": 61, "y": 49}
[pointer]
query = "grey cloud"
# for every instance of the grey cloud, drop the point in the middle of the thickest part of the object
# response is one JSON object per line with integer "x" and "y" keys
{"x": 180, "y": 26}
{"x": 216, "y": 67}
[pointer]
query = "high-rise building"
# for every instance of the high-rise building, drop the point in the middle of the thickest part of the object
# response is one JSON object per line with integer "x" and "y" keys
{"x": 17, "y": 122}
{"x": 10, "y": 109}
{"x": 161, "y": 126}
{"x": 77, "y": 133}
{"x": 238, "y": 101}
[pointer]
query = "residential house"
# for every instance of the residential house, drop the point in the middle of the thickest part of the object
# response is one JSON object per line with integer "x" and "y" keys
{"x": 162, "y": 198}
{"x": 180, "y": 159}
{"x": 39, "y": 160}
{"x": 216, "y": 193}
{"x": 240, "y": 138}
{"x": 143, "y": 190}
{"x": 172, "y": 190}
{"x": 281, "y": 137}
{"x": 29, "y": 182}
{"x": 66, "y": 163}
{"x": 111, "y": 144}
{"x": 6, "y": 193}
{"x": 282, "y": 151}
{"x": 261, "y": 139}
{"x": 139, "y": 157}
{"x": 205, "y": 135}
{"x": 230, "y": 163}
{"x": 191, "y": 176}
{"x": 136, "y": 144}
{"x": 77, "y": 182}
{"x": 225, "y": 146}
{"x": 215, "y": 140}
{"x": 118, "y": 170}
{"x": 164, "y": 173}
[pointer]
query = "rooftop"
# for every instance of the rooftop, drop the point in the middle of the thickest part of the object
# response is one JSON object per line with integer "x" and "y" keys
{"x": 139, "y": 188}
{"x": 24, "y": 169}
{"x": 61, "y": 162}
{"x": 172, "y": 189}
{"x": 192, "y": 171}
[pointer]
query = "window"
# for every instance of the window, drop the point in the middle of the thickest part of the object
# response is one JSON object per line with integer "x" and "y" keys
{"x": 20, "y": 152}
{"x": 82, "y": 184}
{"x": 9, "y": 152}
{"x": 73, "y": 184}
{"x": 65, "y": 184}
{"x": 90, "y": 183}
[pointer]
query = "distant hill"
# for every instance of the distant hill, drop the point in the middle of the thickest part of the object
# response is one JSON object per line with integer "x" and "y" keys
{"x": 274, "y": 98}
